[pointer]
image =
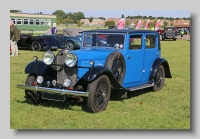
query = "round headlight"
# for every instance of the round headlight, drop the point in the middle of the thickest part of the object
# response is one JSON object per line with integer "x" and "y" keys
{"x": 39, "y": 79}
{"x": 70, "y": 60}
{"x": 48, "y": 57}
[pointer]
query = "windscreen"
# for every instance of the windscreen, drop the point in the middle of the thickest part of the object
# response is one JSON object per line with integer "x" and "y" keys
{"x": 103, "y": 39}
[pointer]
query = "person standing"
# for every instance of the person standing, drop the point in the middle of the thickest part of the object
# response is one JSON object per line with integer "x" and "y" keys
{"x": 182, "y": 32}
{"x": 49, "y": 31}
{"x": 54, "y": 30}
{"x": 14, "y": 37}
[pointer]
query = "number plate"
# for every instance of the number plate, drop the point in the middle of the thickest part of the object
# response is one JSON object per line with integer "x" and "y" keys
{"x": 54, "y": 97}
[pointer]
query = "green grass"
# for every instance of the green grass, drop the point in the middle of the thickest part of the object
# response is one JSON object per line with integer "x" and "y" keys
{"x": 166, "y": 109}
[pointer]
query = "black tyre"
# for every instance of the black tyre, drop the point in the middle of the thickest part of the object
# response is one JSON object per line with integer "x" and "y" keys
{"x": 35, "y": 46}
{"x": 159, "y": 79}
{"x": 99, "y": 97}
{"x": 116, "y": 63}
{"x": 30, "y": 96}
{"x": 69, "y": 45}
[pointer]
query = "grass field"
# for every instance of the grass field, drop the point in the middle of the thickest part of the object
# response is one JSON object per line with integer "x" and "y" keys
{"x": 144, "y": 109}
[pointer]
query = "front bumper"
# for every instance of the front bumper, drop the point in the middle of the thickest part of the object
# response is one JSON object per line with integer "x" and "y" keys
{"x": 53, "y": 90}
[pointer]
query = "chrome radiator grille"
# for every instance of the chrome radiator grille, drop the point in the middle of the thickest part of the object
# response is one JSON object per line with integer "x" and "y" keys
{"x": 64, "y": 72}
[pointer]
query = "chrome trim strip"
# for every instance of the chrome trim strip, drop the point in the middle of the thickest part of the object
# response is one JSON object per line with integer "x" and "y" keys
{"x": 53, "y": 90}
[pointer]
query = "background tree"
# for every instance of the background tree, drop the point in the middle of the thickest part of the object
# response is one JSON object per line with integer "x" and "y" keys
{"x": 152, "y": 23}
{"x": 79, "y": 23}
{"x": 67, "y": 21}
{"x": 80, "y": 16}
{"x": 165, "y": 24}
{"x": 15, "y": 11}
{"x": 59, "y": 14}
{"x": 58, "y": 21}
{"x": 135, "y": 22}
{"x": 122, "y": 16}
{"x": 102, "y": 18}
{"x": 128, "y": 22}
{"x": 171, "y": 24}
{"x": 109, "y": 23}
{"x": 90, "y": 19}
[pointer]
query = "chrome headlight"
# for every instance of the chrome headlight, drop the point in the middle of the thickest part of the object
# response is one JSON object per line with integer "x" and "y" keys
{"x": 70, "y": 60}
{"x": 48, "y": 57}
{"x": 39, "y": 79}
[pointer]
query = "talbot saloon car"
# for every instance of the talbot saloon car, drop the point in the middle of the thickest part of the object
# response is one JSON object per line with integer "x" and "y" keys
{"x": 124, "y": 61}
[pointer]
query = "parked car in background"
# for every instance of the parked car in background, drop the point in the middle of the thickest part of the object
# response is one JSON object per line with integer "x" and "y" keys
{"x": 36, "y": 43}
{"x": 70, "y": 43}
{"x": 96, "y": 70}
{"x": 160, "y": 31}
{"x": 49, "y": 42}
{"x": 169, "y": 33}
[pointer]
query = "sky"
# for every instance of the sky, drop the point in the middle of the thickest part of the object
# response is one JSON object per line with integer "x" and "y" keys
{"x": 118, "y": 13}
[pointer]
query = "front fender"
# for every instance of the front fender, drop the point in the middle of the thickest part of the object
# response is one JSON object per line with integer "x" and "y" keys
{"x": 95, "y": 73}
{"x": 37, "y": 68}
{"x": 156, "y": 65}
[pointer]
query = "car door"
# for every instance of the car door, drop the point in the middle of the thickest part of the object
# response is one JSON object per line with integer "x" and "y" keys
{"x": 150, "y": 54}
{"x": 134, "y": 58}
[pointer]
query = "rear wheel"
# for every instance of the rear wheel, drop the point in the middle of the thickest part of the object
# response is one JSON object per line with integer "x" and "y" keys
{"x": 99, "y": 97}
{"x": 35, "y": 46}
{"x": 159, "y": 79}
{"x": 30, "y": 96}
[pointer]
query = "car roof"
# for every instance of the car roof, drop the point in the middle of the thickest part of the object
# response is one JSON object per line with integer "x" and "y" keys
{"x": 127, "y": 31}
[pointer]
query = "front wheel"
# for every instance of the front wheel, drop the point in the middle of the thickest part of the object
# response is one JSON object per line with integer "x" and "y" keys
{"x": 159, "y": 79}
{"x": 30, "y": 96}
{"x": 69, "y": 45}
{"x": 99, "y": 97}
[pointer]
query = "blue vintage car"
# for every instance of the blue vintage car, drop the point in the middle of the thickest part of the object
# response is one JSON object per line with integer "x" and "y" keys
{"x": 123, "y": 61}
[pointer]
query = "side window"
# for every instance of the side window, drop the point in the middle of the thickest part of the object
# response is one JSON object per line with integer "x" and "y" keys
{"x": 135, "y": 42}
{"x": 150, "y": 41}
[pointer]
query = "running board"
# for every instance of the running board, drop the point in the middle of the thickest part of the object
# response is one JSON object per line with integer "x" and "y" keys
{"x": 140, "y": 87}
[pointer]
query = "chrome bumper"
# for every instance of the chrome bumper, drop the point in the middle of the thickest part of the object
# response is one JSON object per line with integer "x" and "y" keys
{"x": 53, "y": 90}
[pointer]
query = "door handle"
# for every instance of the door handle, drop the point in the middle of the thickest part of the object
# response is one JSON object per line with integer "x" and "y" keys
{"x": 129, "y": 57}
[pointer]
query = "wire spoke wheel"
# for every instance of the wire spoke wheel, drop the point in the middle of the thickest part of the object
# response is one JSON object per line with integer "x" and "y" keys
{"x": 159, "y": 79}
{"x": 117, "y": 69}
{"x": 100, "y": 95}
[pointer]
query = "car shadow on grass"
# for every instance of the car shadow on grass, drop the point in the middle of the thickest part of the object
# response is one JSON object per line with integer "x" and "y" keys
{"x": 130, "y": 94}
{"x": 66, "y": 105}
{"x": 70, "y": 102}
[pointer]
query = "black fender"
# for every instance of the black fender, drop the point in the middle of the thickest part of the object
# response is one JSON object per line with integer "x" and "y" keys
{"x": 36, "y": 68}
{"x": 51, "y": 41}
{"x": 40, "y": 68}
{"x": 156, "y": 65}
{"x": 94, "y": 73}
